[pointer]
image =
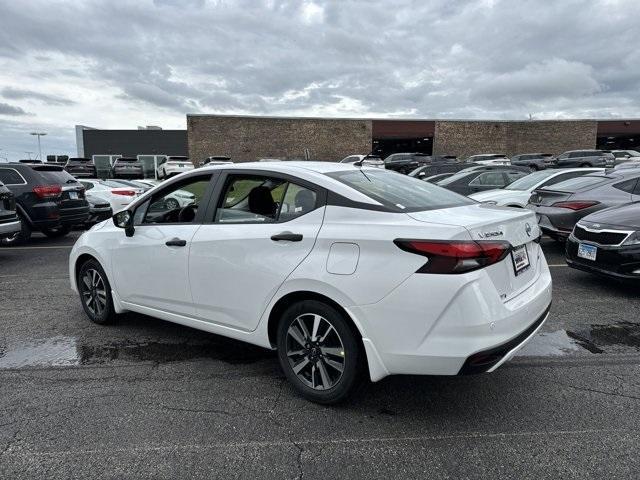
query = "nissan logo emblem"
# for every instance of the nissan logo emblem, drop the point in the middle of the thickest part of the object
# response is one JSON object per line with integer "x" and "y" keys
{"x": 527, "y": 228}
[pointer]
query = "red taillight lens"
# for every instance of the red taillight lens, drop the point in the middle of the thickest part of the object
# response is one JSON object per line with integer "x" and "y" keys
{"x": 576, "y": 205}
{"x": 127, "y": 193}
{"x": 456, "y": 256}
{"x": 47, "y": 191}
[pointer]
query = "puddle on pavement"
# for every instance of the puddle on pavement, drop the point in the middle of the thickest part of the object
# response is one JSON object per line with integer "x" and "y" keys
{"x": 66, "y": 351}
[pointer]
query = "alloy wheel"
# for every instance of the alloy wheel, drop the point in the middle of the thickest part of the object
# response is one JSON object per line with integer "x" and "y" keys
{"x": 94, "y": 292}
{"x": 315, "y": 351}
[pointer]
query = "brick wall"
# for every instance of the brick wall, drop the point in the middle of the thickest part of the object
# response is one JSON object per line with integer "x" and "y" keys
{"x": 463, "y": 138}
{"x": 251, "y": 138}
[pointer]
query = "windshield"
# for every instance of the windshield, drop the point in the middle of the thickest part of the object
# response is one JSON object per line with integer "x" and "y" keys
{"x": 530, "y": 181}
{"x": 399, "y": 192}
{"x": 575, "y": 184}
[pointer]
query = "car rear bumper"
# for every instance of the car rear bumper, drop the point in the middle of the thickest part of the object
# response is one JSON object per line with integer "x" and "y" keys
{"x": 615, "y": 262}
{"x": 434, "y": 328}
{"x": 74, "y": 216}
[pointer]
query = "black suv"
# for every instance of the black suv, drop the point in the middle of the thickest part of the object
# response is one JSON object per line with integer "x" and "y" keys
{"x": 81, "y": 167}
{"x": 9, "y": 221}
{"x": 535, "y": 161}
{"x": 406, "y": 162}
{"x": 585, "y": 158}
{"x": 47, "y": 198}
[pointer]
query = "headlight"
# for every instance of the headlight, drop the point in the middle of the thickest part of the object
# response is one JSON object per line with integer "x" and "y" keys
{"x": 634, "y": 239}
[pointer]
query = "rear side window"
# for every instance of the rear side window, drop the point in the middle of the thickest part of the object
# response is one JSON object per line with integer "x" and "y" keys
{"x": 626, "y": 186}
{"x": 399, "y": 193}
{"x": 575, "y": 184}
{"x": 9, "y": 176}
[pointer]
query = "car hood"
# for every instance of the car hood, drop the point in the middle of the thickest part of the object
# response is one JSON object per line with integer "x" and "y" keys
{"x": 627, "y": 215}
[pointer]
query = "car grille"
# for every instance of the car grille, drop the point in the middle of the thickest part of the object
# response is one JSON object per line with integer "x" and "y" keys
{"x": 602, "y": 238}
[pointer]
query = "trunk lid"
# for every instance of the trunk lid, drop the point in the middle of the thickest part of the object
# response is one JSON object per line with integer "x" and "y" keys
{"x": 486, "y": 222}
{"x": 546, "y": 198}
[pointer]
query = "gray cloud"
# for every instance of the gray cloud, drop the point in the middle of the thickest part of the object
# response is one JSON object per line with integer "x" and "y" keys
{"x": 19, "y": 94}
{"x": 6, "y": 109}
{"x": 438, "y": 58}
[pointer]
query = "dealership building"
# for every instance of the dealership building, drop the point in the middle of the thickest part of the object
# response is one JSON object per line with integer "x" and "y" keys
{"x": 248, "y": 138}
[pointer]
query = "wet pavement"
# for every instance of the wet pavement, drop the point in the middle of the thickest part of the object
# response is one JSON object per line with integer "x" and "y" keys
{"x": 149, "y": 398}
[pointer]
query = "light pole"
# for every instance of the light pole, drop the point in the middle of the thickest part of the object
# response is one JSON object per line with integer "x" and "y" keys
{"x": 39, "y": 134}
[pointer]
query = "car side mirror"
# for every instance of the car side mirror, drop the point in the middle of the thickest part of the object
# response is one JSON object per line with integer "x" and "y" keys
{"x": 124, "y": 219}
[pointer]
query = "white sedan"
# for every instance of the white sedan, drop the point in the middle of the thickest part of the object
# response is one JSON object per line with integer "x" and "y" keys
{"x": 517, "y": 194}
{"x": 174, "y": 165}
{"x": 119, "y": 195}
{"x": 342, "y": 270}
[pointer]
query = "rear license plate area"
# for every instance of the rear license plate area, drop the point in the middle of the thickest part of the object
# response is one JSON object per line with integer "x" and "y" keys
{"x": 520, "y": 259}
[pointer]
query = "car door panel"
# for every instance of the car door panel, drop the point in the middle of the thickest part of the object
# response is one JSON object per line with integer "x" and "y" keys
{"x": 235, "y": 269}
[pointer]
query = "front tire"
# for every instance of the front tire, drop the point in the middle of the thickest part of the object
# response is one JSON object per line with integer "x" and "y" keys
{"x": 319, "y": 352}
{"x": 95, "y": 293}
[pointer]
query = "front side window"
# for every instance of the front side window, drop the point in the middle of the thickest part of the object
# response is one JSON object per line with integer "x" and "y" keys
{"x": 177, "y": 203}
{"x": 399, "y": 193}
{"x": 260, "y": 199}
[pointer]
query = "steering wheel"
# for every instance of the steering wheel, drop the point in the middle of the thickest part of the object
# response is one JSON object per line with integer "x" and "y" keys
{"x": 187, "y": 214}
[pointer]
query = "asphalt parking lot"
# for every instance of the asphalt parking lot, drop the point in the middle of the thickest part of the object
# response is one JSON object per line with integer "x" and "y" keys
{"x": 145, "y": 397}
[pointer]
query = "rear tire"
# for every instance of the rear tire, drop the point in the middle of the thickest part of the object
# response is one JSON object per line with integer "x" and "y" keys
{"x": 95, "y": 293}
{"x": 319, "y": 352}
{"x": 56, "y": 232}
{"x": 20, "y": 237}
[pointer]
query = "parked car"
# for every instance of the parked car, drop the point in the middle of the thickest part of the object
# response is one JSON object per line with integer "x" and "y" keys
{"x": 518, "y": 193}
{"x": 127, "y": 168}
{"x": 326, "y": 257}
{"x": 482, "y": 178}
{"x": 436, "y": 178}
{"x": 48, "y": 199}
{"x": 535, "y": 161}
{"x": 370, "y": 160}
{"x": 489, "y": 159}
{"x": 607, "y": 243}
{"x": 585, "y": 158}
{"x": 178, "y": 199}
{"x": 174, "y": 165}
{"x": 559, "y": 207}
{"x": 81, "y": 167}
{"x": 627, "y": 165}
{"x": 9, "y": 221}
{"x": 216, "y": 160}
{"x": 119, "y": 195}
{"x": 99, "y": 209}
{"x": 30, "y": 161}
{"x": 405, "y": 162}
{"x": 623, "y": 155}
{"x": 436, "y": 168}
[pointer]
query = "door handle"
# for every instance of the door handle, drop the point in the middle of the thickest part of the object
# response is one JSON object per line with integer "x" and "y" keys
{"x": 176, "y": 242}
{"x": 287, "y": 236}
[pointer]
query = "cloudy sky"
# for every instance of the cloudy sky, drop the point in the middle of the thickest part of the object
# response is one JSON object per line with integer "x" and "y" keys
{"x": 120, "y": 64}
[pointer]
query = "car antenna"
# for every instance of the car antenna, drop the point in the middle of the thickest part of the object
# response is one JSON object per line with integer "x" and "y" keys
{"x": 359, "y": 164}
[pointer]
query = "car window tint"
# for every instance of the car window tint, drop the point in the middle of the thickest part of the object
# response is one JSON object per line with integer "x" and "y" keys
{"x": 489, "y": 178}
{"x": 9, "y": 176}
{"x": 250, "y": 199}
{"x": 511, "y": 176}
{"x": 561, "y": 178}
{"x": 297, "y": 201}
{"x": 177, "y": 203}
{"x": 575, "y": 184}
{"x": 626, "y": 186}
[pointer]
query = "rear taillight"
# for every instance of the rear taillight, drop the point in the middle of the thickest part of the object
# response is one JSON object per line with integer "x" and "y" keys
{"x": 47, "y": 191}
{"x": 456, "y": 256}
{"x": 126, "y": 193}
{"x": 575, "y": 205}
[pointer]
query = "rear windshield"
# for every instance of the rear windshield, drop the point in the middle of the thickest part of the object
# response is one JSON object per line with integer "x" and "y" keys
{"x": 127, "y": 160}
{"x": 178, "y": 159}
{"x": 79, "y": 160}
{"x": 575, "y": 184}
{"x": 399, "y": 192}
{"x": 54, "y": 175}
{"x": 456, "y": 176}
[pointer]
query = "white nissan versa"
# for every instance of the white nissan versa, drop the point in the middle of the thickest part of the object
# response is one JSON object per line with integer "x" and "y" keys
{"x": 343, "y": 270}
